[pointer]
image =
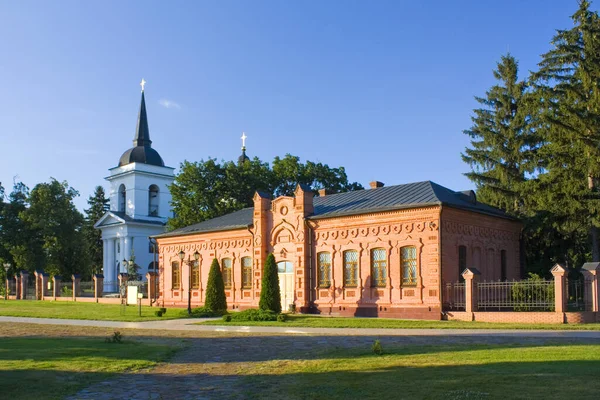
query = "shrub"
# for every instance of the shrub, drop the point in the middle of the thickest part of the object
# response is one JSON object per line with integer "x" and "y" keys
{"x": 526, "y": 294}
{"x": 163, "y": 310}
{"x": 66, "y": 291}
{"x": 115, "y": 338}
{"x": 158, "y": 313}
{"x": 227, "y": 318}
{"x": 254, "y": 315}
{"x": 270, "y": 297}
{"x": 377, "y": 349}
{"x": 281, "y": 318}
{"x": 292, "y": 308}
{"x": 215, "y": 290}
{"x": 204, "y": 312}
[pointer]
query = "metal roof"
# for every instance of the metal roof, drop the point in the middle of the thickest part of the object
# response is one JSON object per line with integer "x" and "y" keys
{"x": 411, "y": 195}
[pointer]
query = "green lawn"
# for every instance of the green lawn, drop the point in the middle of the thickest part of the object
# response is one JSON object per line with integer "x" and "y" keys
{"x": 308, "y": 321}
{"x": 433, "y": 372}
{"x": 39, "y": 368}
{"x": 76, "y": 310}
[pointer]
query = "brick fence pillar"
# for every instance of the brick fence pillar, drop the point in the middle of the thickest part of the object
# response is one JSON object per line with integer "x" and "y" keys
{"x": 591, "y": 271}
{"x": 56, "y": 286}
{"x": 560, "y": 288}
{"x": 37, "y": 275}
{"x": 98, "y": 286}
{"x": 152, "y": 280}
{"x": 471, "y": 276}
{"x": 123, "y": 277}
{"x": 76, "y": 285}
{"x": 24, "y": 282}
{"x": 17, "y": 287}
{"x": 44, "y": 279}
{"x": 7, "y": 286}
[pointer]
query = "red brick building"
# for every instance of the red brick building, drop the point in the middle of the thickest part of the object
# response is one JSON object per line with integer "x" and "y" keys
{"x": 385, "y": 251}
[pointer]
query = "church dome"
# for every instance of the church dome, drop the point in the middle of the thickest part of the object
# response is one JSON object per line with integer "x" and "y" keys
{"x": 141, "y": 154}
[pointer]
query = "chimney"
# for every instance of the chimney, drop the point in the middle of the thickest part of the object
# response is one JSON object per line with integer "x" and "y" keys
{"x": 325, "y": 192}
{"x": 376, "y": 184}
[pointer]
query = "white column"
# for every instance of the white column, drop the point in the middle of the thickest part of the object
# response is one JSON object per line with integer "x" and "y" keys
{"x": 110, "y": 272}
{"x": 122, "y": 254}
{"x": 104, "y": 256}
{"x": 127, "y": 254}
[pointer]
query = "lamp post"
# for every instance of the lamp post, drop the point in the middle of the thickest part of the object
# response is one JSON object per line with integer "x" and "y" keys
{"x": 6, "y": 268}
{"x": 189, "y": 263}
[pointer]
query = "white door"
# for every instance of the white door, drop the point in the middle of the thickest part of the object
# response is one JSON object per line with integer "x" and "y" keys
{"x": 286, "y": 283}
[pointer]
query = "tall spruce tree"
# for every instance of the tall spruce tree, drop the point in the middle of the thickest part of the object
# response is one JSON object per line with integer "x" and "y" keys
{"x": 502, "y": 145}
{"x": 270, "y": 294}
{"x": 567, "y": 116}
{"x": 215, "y": 289}
{"x": 98, "y": 205}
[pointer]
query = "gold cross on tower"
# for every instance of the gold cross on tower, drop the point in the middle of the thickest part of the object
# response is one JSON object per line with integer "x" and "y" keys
{"x": 142, "y": 84}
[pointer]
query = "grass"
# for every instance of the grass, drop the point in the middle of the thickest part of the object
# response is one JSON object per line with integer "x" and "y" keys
{"x": 52, "y": 368}
{"x": 308, "y": 321}
{"x": 87, "y": 311}
{"x": 432, "y": 372}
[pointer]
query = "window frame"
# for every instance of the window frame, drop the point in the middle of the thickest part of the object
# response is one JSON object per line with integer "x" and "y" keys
{"x": 175, "y": 275}
{"x": 381, "y": 266}
{"x": 324, "y": 270}
{"x": 195, "y": 271}
{"x": 226, "y": 272}
{"x": 403, "y": 267}
{"x": 353, "y": 281}
{"x": 150, "y": 202}
{"x": 246, "y": 273}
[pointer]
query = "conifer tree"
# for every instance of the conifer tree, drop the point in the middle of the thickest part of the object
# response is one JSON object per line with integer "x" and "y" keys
{"x": 567, "y": 115}
{"x": 270, "y": 295}
{"x": 215, "y": 290}
{"x": 99, "y": 205}
{"x": 502, "y": 146}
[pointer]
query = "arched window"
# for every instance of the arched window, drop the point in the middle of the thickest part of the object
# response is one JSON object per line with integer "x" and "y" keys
{"x": 246, "y": 273}
{"x": 462, "y": 261}
{"x": 351, "y": 268}
{"x": 153, "y": 201}
{"x": 196, "y": 275}
{"x": 378, "y": 268}
{"x": 122, "y": 198}
{"x": 175, "y": 276}
{"x": 408, "y": 264}
{"x": 324, "y": 272}
{"x": 226, "y": 270}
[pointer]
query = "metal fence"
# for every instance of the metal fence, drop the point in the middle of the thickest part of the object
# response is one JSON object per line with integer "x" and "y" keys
{"x": 66, "y": 289}
{"x": 111, "y": 287}
{"x": 527, "y": 295}
{"x": 86, "y": 289}
{"x": 12, "y": 287}
{"x": 30, "y": 295}
{"x": 454, "y": 296}
{"x": 576, "y": 295}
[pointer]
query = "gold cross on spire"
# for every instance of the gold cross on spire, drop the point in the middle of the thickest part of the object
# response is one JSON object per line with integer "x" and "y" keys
{"x": 142, "y": 84}
{"x": 244, "y": 137}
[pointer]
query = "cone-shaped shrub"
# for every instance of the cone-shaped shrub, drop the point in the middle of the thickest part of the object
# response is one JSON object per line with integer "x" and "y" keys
{"x": 215, "y": 289}
{"x": 270, "y": 297}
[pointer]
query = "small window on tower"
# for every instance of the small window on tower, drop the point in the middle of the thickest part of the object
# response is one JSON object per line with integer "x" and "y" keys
{"x": 122, "y": 198}
{"x": 153, "y": 201}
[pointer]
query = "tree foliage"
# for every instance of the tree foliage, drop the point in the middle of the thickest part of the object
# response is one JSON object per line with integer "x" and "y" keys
{"x": 270, "y": 295}
{"x": 98, "y": 205}
{"x": 208, "y": 189}
{"x": 215, "y": 290}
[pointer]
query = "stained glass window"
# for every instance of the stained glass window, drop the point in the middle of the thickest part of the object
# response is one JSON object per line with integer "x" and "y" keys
{"x": 351, "y": 268}
{"x": 408, "y": 263}
{"x": 324, "y": 269}
{"x": 226, "y": 270}
{"x": 378, "y": 268}
{"x": 175, "y": 275}
{"x": 246, "y": 273}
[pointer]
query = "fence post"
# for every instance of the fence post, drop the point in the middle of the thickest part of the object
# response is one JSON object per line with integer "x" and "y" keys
{"x": 471, "y": 276}
{"x": 98, "y": 286}
{"x": 560, "y": 288}
{"x": 56, "y": 286}
{"x": 17, "y": 287}
{"x": 7, "y": 287}
{"x": 151, "y": 277}
{"x": 36, "y": 273}
{"x": 24, "y": 282}
{"x": 590, "y": 272}
{"x": 76, "y": 285}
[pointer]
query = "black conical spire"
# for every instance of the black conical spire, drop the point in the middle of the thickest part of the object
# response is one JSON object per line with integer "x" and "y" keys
{"x": 142, "y": 133}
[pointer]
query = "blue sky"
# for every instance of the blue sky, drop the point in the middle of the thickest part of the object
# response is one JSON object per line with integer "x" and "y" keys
{"x": 384, "y": 88}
